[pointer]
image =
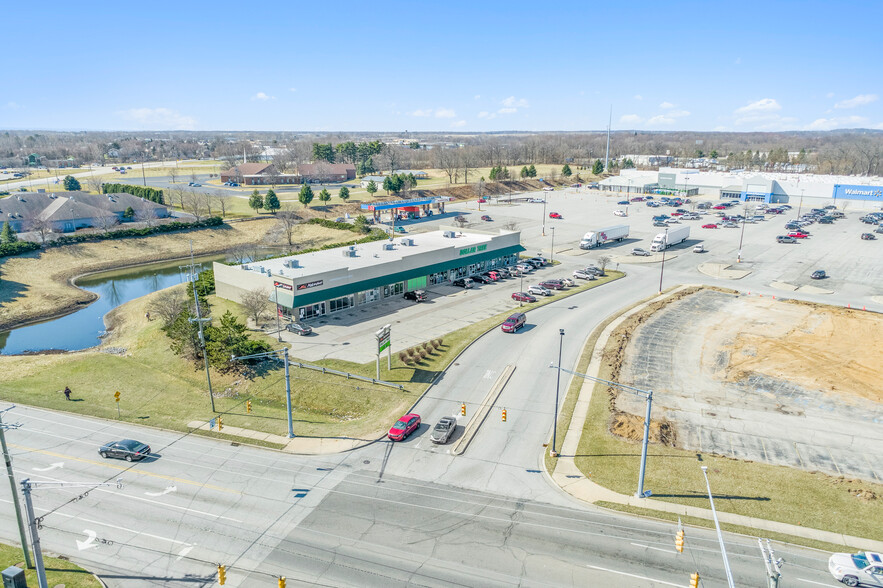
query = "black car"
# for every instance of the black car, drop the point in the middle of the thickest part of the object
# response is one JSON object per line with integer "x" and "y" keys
{"x": 127, "y": 449}
{"x": 299, "y": 328}
{"x": 868, "y": 237}
{"x": 481, "y": 279}
{"x": 416, "y": 295}
{"x": 819, "y": 275}
{"x": 463, "y": 282}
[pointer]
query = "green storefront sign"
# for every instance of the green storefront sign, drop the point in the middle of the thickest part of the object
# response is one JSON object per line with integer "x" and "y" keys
{"x": 471, "y": 250}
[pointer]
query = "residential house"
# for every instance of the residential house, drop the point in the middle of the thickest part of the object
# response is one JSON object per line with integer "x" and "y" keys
{"x": 63, "y": 212}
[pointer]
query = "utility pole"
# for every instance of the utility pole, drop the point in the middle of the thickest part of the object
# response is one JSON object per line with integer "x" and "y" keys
{"x": 607, "y": 153}
{"x": 720, "y": 536}
{"x": 275, "y": 353}
{"x": 773, "y": 565}
{"x": 8, "y": 459}
{"x": 199, "y": 320}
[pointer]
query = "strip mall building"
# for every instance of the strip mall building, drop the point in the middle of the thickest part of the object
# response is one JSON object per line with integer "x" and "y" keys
{"x": 324, "y": 282}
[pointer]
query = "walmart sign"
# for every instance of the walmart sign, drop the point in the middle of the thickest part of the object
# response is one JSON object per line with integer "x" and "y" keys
{"x": 858, "y": 192}
{"x": 474, "y": 249}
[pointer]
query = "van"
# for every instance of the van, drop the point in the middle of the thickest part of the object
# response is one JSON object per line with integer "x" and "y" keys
{"x": 514, "y": 322}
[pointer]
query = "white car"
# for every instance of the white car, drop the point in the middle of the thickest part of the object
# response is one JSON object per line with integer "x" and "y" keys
{"x": 568, "y": 281}
{"x": 584, "y": 275}
{"x": 640, "y": 252}
{"x": 619, "y": 213}
{"x": 539, "y": 290}
{"x": 548, "y": 189}
{"x": 525, "y": 268}
{"x": 536, "y": 200}
{"x": 859, "y": 569}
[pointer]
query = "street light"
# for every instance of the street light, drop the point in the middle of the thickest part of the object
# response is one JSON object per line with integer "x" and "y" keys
{"x": 521, "y": 286}
{"x": 662, "y": 267}
{"x": 552, "y": 254}
{"x": 717, "y": 525}
{"x": 544, "y": 215}
{"x": 799, "y": 206}
{"x": 744, "y": 218}
{"x": 554, "y": 453}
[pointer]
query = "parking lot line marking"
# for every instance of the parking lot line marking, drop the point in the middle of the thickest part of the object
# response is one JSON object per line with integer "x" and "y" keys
{"x": 812, "y": 582}
{"x": 763, "y": 446}
{"x": 634, "y": 576}
{"x": 126, "y": 469}
{"x": 834, "y": 461}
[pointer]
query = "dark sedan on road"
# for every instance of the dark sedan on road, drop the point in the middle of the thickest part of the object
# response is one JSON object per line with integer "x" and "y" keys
{"x": 299, "y": 328}
{"x": 127, "y": 449}
{"x": 443, "y": 430}
{"x": 404, "y": 427}
{"x": 819, "y": 275}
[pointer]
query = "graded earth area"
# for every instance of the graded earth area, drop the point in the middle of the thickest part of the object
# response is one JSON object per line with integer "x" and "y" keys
{"x": 782, "y": 382}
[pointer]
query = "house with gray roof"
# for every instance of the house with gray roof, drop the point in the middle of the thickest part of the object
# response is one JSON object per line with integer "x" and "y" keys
{"x": 64, "y": 212}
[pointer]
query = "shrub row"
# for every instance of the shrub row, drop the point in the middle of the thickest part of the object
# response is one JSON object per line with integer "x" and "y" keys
{"x": 151, "y": 194}
{"x": 17, "y": 247}
{"x": 420, "y": 352}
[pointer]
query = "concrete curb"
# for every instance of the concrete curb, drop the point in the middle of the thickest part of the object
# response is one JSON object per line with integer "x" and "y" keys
{"x": 489, "y": 400}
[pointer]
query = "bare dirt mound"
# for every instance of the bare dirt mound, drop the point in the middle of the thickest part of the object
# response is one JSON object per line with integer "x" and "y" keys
{"x": 817, "y": 347}
{"x": 630, "y": 426}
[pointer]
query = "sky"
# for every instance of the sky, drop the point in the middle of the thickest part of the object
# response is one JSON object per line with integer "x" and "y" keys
{"x": 447, "y": 66}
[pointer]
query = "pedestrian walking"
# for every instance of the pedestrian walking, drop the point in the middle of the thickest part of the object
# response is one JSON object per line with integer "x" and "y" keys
{"x": 147, "y": 315}
{"x": 67, "y": 392}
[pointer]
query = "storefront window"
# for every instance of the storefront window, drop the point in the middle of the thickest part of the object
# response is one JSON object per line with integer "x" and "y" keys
{"x": 341, "y": 303}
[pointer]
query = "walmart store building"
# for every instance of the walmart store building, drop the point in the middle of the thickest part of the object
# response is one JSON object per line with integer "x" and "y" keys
{"x": 324, "y": 282}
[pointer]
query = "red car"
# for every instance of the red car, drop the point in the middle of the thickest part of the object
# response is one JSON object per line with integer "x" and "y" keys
{"x": 720, "y": 207}
{"x": 482, "y": 200}
{"x": 638, "y": 199}
{"x": 677, "y": 213}
{"x": 555, "y": 215}
{"x": 523, "y": 297}
{"x": 798, "y": 235}
{"x": 485, "y": 217}
{"x": 404, "y": 427}
{"x": 709, "y": 226}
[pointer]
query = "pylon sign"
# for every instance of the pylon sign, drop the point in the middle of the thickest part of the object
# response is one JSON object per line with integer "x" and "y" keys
{"x": 382, "y": 339}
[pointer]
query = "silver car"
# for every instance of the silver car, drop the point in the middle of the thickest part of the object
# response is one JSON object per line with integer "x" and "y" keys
{"x": 584, "y": 275}
{"x": 860, "y": 569}
{"x": 443, "y": 430}
{"x": 538, "y": 290}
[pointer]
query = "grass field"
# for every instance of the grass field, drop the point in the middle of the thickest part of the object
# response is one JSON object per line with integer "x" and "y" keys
{"x": 752, "y": 489}
{"x": 59, "y": 572}
{"x": 159, "y": 389}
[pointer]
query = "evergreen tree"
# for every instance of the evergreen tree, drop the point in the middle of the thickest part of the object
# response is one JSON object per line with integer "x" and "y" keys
{"x": 524, "y": 172}
{"x": 388, "y": 184}
{"x": 324, "y": 195}
{"x": 71, "y": 184}
{"x": 271, "y": 201}
{"x": 306, "y": 195}
{"x": 129, "y": 214}
{"x": 323, "y": 152}
{"x": 344, "y": 193}
{"x": 493, "y": 174}
{"x": 565, "y": 171}
{"x": 371, "y": 187}
{"x": 532, "y": 171}
{"x": 255, "y": 201}
{"x": 7, "y": 235}
{"x": 598, "y": 167}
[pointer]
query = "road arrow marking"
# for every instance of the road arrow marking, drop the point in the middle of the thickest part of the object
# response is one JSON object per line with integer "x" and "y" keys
{"x": 184, "y": 552}
{"x": 59, "y": 464}
{"x": 166, "y": 491}
{"x": 89, "y": 542}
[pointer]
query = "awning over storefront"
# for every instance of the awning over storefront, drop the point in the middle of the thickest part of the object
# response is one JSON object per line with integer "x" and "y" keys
{"x": 289, "y": 299}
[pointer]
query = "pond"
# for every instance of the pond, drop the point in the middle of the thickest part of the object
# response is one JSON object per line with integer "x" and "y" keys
{"x": 83, "y": 328}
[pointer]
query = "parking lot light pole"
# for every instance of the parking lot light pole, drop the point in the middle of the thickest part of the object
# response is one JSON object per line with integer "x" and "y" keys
{"x": 521, "y": 287}
{"x": 554, "y": 453}
{"x": 742, "y": 235}
{"x": 544, "y": 215}
{"x": 552, "y": 254}
{"x": 662, "y": 267}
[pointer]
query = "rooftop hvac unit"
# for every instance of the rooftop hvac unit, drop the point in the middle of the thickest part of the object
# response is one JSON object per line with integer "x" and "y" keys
{"x": 245, "y": 267}
{"x": 349, "y": 252}
{"x": 450, "y": 234}
{"x": 389, "y": 246}
{"x": 407, "y": 242}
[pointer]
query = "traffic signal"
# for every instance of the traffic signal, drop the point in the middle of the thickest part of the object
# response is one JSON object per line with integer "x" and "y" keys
{"x": 679, "y": 541}
{"x": 281, "y": 581}
{"x": 222, "y": 574}
{"x": 463, "y": 409}
{"x": 694, "y": 580}
{"x": 248, "y": 406}
{"x": 504, "y": 415}
{"x": 220, "y": 424}
{"x": 116, "y": 396}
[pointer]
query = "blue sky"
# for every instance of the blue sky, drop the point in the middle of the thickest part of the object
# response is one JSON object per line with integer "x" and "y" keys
{"x": 442, "y": 66}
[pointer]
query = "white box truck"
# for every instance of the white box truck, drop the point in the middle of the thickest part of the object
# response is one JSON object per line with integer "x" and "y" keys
{"x": 673, "y": 236}
{"x": 598, "y": 238}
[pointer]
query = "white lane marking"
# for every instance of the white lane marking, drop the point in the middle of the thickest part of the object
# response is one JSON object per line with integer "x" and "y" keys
{"x": 166, "y": 491}
{"x": 52, "y": 466}
{"x": 90, "y": 537}
{"x": 489, "y": 375}
{"x": 811, "y": 582}
{"x": 656, "y": 548}
{"x": 635, "y": 576}
{"x": 184, "y": 552}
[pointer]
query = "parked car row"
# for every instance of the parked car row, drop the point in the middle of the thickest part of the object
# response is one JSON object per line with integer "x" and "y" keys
{"x": 522, "y": 268}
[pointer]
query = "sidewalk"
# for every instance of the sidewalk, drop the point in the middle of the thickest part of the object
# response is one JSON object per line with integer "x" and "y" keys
{"x": 296, "y": 445}
{"x": 571, "y": 479}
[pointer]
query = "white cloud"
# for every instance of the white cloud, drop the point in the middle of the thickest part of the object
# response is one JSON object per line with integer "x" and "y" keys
{"x": 458, "y": 123}
{"x": 262, "y": 96}
{"x": 878, "y": 126}
{"x": 666, "y": 105}
{"x": 512, "y": 102}
{"x": 630, "y": 118}
{"x": 660, "y": 119}
{"x": 826, "y": 124}
{"x": 507, "y": 110}
{"x": 486, "y": 114}
{"x": 638, "y": 97}
{"x": 764, "y": 105}
{"x": 437, "y": 113}
{"x": 678, "y": 113}
{"x": 859, "y": 100}
{"x": 159, "y": 118}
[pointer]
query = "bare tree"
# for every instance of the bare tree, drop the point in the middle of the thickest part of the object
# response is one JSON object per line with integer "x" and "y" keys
{"x": 94, "y": 184}
{"x": 195, "y": 203}
{"x": 221, "y": 200}
{"x": 446, "y": 160}
{"x": 173, "y": 174}
{"x": 106, "y": 220}
{"x": 288, "y": 220}
{"x": 510, "y": 226}
{"x": 603, "y": 262}
{"x": 40, "y": 226}
{"x": 168, "y": 305}
{"x": 256, "y": 302}
{"x": 390, "y": 156}
{"x": 146, "y": 213}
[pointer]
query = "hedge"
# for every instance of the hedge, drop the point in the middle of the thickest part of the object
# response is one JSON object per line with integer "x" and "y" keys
{"x": 151, "y": 194}
{"x": 21, "y": 247}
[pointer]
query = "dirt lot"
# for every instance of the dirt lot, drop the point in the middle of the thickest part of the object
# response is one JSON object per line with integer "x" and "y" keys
{"x": 763, "y": 380}
{"x": 37, "y": 286}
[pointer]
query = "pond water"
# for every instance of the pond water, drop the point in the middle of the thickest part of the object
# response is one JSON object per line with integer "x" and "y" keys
{"x": 82, "y": 329}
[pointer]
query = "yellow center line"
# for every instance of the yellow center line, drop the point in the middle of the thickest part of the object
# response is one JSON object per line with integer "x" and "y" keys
{"x": 125, "y": 469}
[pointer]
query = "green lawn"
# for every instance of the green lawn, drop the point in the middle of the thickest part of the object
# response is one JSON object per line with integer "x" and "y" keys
{"x": 752, "y": 489}
{"x": 58, "y": 571}
{"x": 159, "y": 389}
